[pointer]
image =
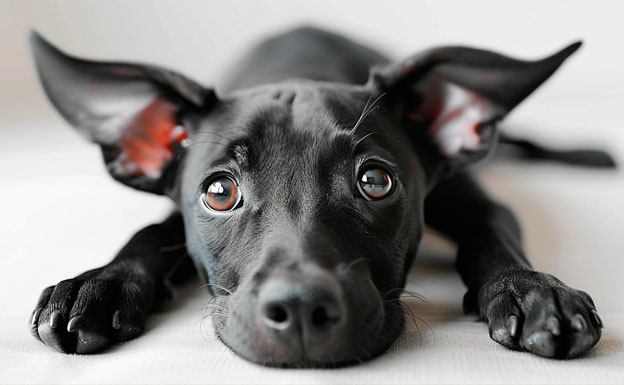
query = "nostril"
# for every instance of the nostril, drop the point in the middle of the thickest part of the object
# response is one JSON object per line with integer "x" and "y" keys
{"x": 321, "y": 317}
{"x": 276, "y": 316}
{"x": 277, "y": 313}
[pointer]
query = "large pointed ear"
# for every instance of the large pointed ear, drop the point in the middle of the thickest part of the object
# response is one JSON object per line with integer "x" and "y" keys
{"x": 452, "y": 97}
{"x": 130, "y": 110}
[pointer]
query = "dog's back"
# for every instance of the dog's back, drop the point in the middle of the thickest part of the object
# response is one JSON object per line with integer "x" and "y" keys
{"x": 305, "y": 53}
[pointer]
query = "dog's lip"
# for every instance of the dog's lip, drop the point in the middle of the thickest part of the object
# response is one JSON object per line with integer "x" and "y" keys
{"x": 308, "y": 363}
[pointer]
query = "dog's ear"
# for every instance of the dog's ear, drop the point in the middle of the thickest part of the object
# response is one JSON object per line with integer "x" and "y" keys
{"x": 452, "y": 97}
{"x": 130, "y": 110}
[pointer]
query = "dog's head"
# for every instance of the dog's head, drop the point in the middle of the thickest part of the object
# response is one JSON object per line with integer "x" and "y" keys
{"x": 303, "y": 201}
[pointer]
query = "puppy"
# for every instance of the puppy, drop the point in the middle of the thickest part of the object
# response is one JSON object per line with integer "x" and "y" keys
{"x": 301, "y": 194}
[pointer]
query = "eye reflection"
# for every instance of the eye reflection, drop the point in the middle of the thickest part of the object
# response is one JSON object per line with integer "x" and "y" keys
{"x": 375, "y": 183}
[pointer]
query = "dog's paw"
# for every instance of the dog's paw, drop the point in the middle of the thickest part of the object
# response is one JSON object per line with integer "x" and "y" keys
{"x": 532, "y": 311}
{"x": 87, "y": 313}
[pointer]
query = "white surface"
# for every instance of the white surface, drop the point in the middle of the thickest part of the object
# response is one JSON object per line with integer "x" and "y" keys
{"x": 62, "y": 214}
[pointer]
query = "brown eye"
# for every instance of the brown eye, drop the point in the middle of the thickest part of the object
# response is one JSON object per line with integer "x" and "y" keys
{"x": 222, "y": 194}
{"x": 375, "y": 183}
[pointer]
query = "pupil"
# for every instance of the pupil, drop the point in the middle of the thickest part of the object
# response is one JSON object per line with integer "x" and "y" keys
{"x": 376, "y": 183}
{"x": 371, "y": 179}
{"x": 374, "y": 179}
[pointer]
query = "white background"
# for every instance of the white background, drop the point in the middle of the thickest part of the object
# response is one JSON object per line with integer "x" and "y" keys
{"x": 61, "y": 214}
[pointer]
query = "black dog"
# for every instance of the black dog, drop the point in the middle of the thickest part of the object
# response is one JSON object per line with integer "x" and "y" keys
{"x": 302, "y": 192}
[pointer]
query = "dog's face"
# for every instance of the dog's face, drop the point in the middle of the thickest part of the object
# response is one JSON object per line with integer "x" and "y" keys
{"x": 303, "y": 201}
{"x": 308, "y": 222}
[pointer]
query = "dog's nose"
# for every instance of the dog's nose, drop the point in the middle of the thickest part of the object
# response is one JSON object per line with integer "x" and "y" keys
{"x": 312, "y": 309}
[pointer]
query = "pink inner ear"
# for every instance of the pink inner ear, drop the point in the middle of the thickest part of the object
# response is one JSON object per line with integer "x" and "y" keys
{"x": 147, "y": 144}
{"x": 453, "y": 114}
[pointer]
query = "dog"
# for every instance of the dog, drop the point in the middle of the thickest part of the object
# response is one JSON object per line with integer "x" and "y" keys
{"x": 302, "y": 191}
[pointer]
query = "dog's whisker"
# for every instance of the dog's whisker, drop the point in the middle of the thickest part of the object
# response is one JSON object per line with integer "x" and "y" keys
{"x": 417, "y": 298}
{"x": 411, "y": 294}
{"x": 196, "y": 290}
{"x": 378, "y": 99}
{"x": 428, "y": 326}
{"x": 183, "y": 151}
{"x": 373, "y": 107}
{"x": 364, "y": 137}
{"x": 213, "y": 306}
{"x": 355, "y": 262}
{"x": 390, "y": 291}
{"x": 414, "y": 316}
{"x": 217, "y": 286}
{"x": 212, "y": 299}
{"x": 423, "y": 300}
{"x": 366, "y": 112}
{"x": 203, "y": 142}
{"x": 212, "y": 133}
{"x": 201, "y": 323}
{"x": 357, "y": 123}
{"x": 370, "y": 111}
{"x": 408, "y": 311}
{"x": 213, "y": 309}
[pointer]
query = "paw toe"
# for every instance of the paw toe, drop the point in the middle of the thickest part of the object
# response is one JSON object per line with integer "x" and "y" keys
{"x": 504, "y": 321}
{"x": 597, "y": 318}
{"x": 506, "y": 333}
{"x": 75, "y": 323}
{"x": 578, "y": 324}
{"x": 51, "y": 337}
{"x": 513, "y": 325}
{"x": 126, "y": 329}
{"x": 583, "y": 335}
{"x": 34, "y": 323}
{"x": 55, "y": 319}
{"x": 553, "y": 325}
{"x": 542, "y": 343}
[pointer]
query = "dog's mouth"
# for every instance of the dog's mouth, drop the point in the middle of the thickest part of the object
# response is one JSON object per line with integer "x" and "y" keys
{"x": 360, "y": 331}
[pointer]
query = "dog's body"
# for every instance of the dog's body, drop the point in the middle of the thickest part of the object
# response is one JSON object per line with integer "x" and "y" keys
{"x": 302, "y": 195}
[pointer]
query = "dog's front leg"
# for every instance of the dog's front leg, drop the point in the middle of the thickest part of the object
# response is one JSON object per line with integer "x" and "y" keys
{"x": 110, "y": 304}
{"x": 525, "y": 309}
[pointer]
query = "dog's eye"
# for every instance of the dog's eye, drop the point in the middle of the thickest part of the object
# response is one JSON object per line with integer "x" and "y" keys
{"x": 222, "y": 194}
{"x": 374, "y": 183}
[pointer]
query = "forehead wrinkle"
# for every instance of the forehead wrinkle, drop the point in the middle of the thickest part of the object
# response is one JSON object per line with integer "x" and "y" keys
{"x": 238, "y": 150}
{"x": 234, "y": 153}
{"x": 253, "y": 130}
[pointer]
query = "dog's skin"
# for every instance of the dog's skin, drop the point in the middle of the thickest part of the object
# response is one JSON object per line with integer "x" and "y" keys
{"x": 302, "y": 192}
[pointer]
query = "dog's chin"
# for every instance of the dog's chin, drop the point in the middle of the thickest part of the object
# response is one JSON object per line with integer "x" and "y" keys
{"x": 365, "y": 347}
